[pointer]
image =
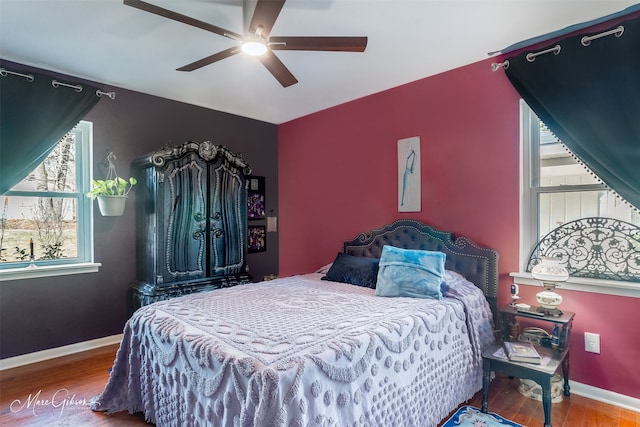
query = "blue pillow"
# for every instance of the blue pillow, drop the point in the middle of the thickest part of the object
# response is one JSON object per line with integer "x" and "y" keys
{"x": 356, "y": 270}
{"x": 410, "y": 273}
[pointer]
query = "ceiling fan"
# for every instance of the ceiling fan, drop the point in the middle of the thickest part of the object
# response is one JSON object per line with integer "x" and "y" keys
{"x": 259, "y": 16}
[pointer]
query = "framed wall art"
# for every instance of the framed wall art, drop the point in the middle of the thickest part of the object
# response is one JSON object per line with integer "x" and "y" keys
{"x": 256, "y": 198}
{"x": 257, "y": 236}
{"x": 409, "y": 175}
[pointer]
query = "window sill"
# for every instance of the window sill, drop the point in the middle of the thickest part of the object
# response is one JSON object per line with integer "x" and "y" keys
{"x": 608, "y": 287}
{"x": 48, "y": 271}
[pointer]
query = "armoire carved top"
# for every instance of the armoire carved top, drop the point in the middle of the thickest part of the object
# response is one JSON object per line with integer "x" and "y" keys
{"x": 206, "y": 150}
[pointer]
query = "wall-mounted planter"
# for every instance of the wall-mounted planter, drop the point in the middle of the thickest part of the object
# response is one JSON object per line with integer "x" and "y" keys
{"x": 112, "y": 205}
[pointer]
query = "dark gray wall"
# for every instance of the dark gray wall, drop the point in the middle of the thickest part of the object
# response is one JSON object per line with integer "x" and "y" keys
{"x": 39, "y": 314}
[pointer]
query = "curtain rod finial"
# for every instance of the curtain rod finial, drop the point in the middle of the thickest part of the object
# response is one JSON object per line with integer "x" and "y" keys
{"x": 497, "y": 65}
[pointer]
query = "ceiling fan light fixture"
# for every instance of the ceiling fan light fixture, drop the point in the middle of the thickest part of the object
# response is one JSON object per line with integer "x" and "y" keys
{"x": 257, "y": 39}
{"x": 254, "y": 47}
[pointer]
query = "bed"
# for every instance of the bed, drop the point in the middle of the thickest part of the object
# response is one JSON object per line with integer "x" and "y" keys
{"x": 306, "y": 351}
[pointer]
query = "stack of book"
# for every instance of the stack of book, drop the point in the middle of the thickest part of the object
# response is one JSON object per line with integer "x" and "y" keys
{"x": 522, "y": 352}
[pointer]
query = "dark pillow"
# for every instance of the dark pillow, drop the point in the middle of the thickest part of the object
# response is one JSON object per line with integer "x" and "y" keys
{"x": 356, "y": 270}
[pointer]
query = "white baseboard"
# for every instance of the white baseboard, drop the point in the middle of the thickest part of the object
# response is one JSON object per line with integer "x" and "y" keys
{"x": 606, "y": 396}
{"x": 52, "y": 353}
{"x": 601, "y": 395}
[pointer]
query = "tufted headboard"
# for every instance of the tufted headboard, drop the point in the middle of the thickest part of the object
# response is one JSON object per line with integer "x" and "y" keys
{"x": 477, "y": 264}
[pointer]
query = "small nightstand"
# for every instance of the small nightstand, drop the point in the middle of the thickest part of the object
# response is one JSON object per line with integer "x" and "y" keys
{"x": 553, "y": 359}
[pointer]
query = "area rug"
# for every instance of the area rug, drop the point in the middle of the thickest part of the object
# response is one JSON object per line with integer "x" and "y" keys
{"x": 468, "y": 416}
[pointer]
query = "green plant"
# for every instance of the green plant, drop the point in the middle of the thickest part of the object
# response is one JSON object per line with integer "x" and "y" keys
{"x": 111, "y": 187}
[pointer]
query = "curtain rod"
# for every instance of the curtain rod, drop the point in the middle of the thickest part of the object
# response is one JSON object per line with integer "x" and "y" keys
{"x": 111, "y": 95}
{"x": 55, "y": 83}
{"x": 4, "y": 72}
{"x": 78, "y": 88}
{"x": 531, "y": 56}
{"x": 585, "y": 41}
{"x": 583, "y": 26}
{"x": 495, "y": 66}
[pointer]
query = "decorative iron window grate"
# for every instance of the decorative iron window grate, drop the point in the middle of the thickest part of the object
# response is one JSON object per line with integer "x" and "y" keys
{"x": 598, "y": 248}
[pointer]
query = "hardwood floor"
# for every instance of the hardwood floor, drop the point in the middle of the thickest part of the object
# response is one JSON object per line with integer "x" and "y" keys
{"x": 56, "y": 393}
{"x": 573, "y": 411}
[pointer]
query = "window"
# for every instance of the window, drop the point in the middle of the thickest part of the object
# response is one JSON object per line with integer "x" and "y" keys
{"x": 556, "y": 188}
{"x": 49, "y": 209}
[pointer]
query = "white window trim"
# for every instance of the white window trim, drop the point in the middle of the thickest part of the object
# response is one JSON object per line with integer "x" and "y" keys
{"x": 528, "y": 234}
{"x": 82, "y": 264}
{"x": 582, "y": 284}
{"x": 48, "y": 271}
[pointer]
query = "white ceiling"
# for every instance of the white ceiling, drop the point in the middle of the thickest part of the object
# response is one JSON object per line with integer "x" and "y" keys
{"x": 108, "y": 42}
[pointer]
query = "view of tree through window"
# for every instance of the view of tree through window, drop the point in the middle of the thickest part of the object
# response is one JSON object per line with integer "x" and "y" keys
{"x": 45, "y": 207}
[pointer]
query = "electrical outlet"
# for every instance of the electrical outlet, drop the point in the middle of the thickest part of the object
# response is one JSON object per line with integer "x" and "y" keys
{"x": 592, "y": 342}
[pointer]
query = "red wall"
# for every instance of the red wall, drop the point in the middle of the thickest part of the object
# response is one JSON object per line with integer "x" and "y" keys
{"x": 337, "y": 174}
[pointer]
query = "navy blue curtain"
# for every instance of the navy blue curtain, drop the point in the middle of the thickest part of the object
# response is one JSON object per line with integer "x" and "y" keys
{"x": 589, "y": 96}
{"x": 34, "y": 115}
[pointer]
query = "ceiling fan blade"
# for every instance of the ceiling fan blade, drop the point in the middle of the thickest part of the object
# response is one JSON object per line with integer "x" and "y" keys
{"x": 340, "y": 44}
{"x": 156, "y": 10}
{"x": 210, "y": 59}
{"x": 248, "y": 6}
{"x": 265, "y": 13}
{"x": 278, "y": 69}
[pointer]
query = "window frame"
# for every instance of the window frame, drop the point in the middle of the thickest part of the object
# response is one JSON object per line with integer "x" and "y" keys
{"x": 530, "y": 190}
{"x": 84, "y": 262}
{"x": 530, "y": 185}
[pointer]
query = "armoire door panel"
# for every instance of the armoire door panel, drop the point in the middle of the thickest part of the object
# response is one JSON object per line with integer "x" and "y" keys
{"x": 228, "y": 199}
{"x": 184, "y": 212}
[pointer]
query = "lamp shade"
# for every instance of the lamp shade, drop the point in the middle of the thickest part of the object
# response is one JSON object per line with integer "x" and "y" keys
{"x": 549, "y": 270}
{"x": 550, "y": 273}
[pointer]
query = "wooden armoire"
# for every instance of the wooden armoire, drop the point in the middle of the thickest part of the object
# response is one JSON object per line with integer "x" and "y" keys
{"x": 191, "y": 221}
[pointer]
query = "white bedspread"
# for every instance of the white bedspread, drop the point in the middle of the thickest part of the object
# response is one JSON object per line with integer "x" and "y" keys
{"x": 299, "y": 351}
